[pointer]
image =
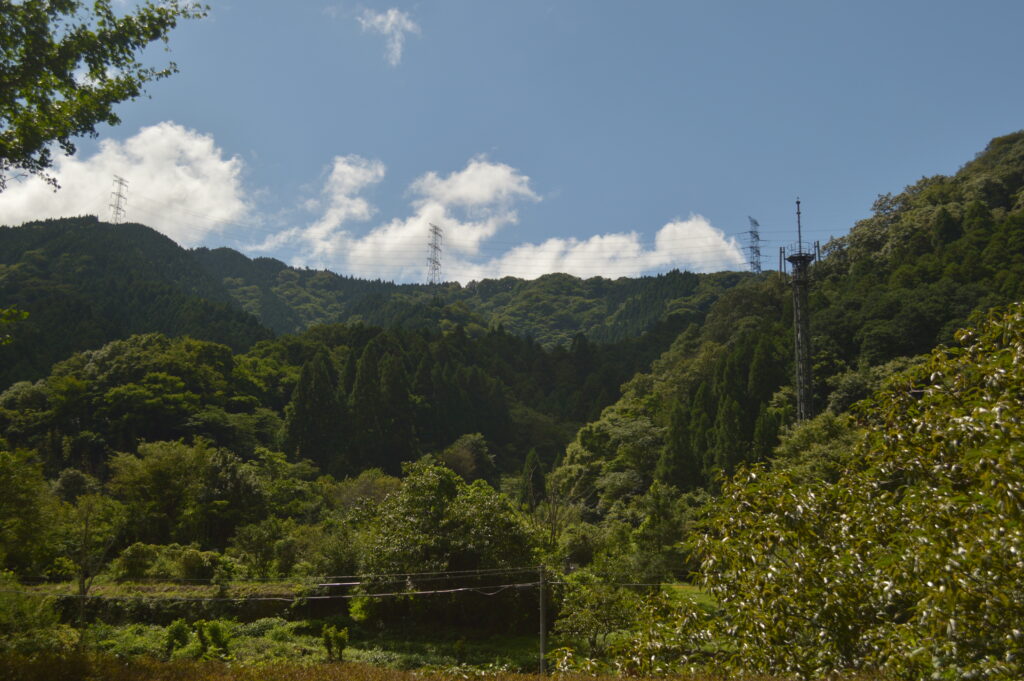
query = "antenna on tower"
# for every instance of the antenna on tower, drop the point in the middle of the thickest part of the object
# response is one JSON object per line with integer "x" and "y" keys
{"x": 434, "y": 246}
{"x": 118, "y": 200}
{"x": 754, "y": 247}
{"x": 801, "y": 259}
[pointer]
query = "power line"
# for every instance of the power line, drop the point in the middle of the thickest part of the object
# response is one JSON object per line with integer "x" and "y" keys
{"x": 170, "y": 206}
{"x": 477, "y": 571}
{"x": 420, "y": 576}
{"x": 490, "y": 590}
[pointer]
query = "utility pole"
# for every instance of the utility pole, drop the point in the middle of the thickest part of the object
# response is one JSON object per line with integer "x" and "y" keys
{"x": 434, "y": 246}
{"x": 118, "y": 200}
{"x": 754, "y": 247}
{"x": 543, "y": 618}
{"x": 801, "y": 260}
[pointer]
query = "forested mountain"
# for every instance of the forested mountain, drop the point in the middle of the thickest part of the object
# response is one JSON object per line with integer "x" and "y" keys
{"x": 85, "y": 283}
{"x": 901, "y": 282}
{"x": 551, "y": 309}
{"x": 446, "y": 436}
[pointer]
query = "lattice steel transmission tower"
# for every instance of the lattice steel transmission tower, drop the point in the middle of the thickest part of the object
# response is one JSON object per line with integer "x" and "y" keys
{"x": 800, "y": 258}
{"x": 754, "y": 247}
{"x": 118, "y": 200}
{"x": 435, "y": 242}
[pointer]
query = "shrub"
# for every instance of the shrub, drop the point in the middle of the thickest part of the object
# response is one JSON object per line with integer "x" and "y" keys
{"x": 170, "y": 562}
{"x": 591, "y": 611}
{"x": 910, "y": 561}
{"x": 335, "y": 641}
{"x": 176, "y": 636}
{"x": 29, "y": 623}
{"x": 213, "y": 636}
{"x": 134, "y": 562}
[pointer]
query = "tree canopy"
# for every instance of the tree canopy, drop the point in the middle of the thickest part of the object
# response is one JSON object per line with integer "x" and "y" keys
{"x": 64, "y": 64}
{"x": 909, "y": 560}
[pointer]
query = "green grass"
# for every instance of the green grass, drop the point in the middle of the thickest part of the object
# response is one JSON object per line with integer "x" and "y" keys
{"x": 691, "y": 593}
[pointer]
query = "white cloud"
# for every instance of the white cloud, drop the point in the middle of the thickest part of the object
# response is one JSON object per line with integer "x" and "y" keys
{"x": 181, "y": 184}
{"x": 393, "y": 25}
{"x": 481, "y": 183}
{"x": 472, "y": 205}
{"x": 178, "y": 182}
{"x": 692, "y": 244}
{"x": 325, "y": 241}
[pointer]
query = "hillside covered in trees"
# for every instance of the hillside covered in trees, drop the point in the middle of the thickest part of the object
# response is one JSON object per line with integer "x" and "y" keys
{"x": 551, "y": 309}
{"x": 621, "y": 433}
{"x": 85, "y": 283}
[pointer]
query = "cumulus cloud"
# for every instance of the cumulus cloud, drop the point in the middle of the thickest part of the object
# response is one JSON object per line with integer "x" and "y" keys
{"x": 393, "y": 24}
{"x": 324, "y": 241}
{"x": 179, "y": 182}
{"x": 692, "y": 244}
{"x": 482, "y": 183}
{"x": 472, "y": 205}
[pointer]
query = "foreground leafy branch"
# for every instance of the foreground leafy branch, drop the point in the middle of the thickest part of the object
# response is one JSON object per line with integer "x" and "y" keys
{"x": 64, "y": 65}
{"x": 912, "y": 561}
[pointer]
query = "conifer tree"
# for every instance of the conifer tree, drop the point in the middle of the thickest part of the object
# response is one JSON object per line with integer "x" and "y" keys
{"x": 700, "y": 427}
{"x": 531, "y": 481}
{"x": 728, "y": 447}
{"x": 364, "y": 405}
{"x": 396, "y": 441}
{"x": 764, "y": 375}
{"x": 315, "y": 417}
{"x": 766, "y": 434}
{"x": 679, "y": 465}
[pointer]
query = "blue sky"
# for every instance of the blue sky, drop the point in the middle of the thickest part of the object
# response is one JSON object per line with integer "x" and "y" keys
{"x": 591, "y": 136}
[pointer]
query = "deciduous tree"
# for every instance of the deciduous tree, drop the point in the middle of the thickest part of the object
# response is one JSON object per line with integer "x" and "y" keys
{"x": 64, "y": 65}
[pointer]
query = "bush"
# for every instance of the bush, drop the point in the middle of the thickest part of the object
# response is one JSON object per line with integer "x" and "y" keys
{"x": 140, "y": 562}
{"x": 29, "y": 623}
{"x": 335, "y": 641}
{"x": 591, "y": 611}
{"x": 910, "y": 561}
{"x": 213, "y": 637}
{"x": 129, "y": 641}
{"x": 134, "y": 562}
{"x": 176, "y": 636}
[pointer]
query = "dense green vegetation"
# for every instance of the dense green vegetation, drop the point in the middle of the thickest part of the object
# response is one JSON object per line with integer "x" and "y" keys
{"x": 436, "y": 448}
{"x": 552, "y": 309}
{"x": 909, "y": 559}
{"x": 889, "y": 290}
{"x": 85, "y": 283}
{"x": 346, "y": 398}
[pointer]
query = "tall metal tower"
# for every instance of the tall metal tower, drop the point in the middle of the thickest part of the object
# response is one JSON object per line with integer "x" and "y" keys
{"x": 754, "y": 249}
{"x": 434, "y": 245}
{"x": 801, "y": 258}
{"x": 118, "y": 200}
